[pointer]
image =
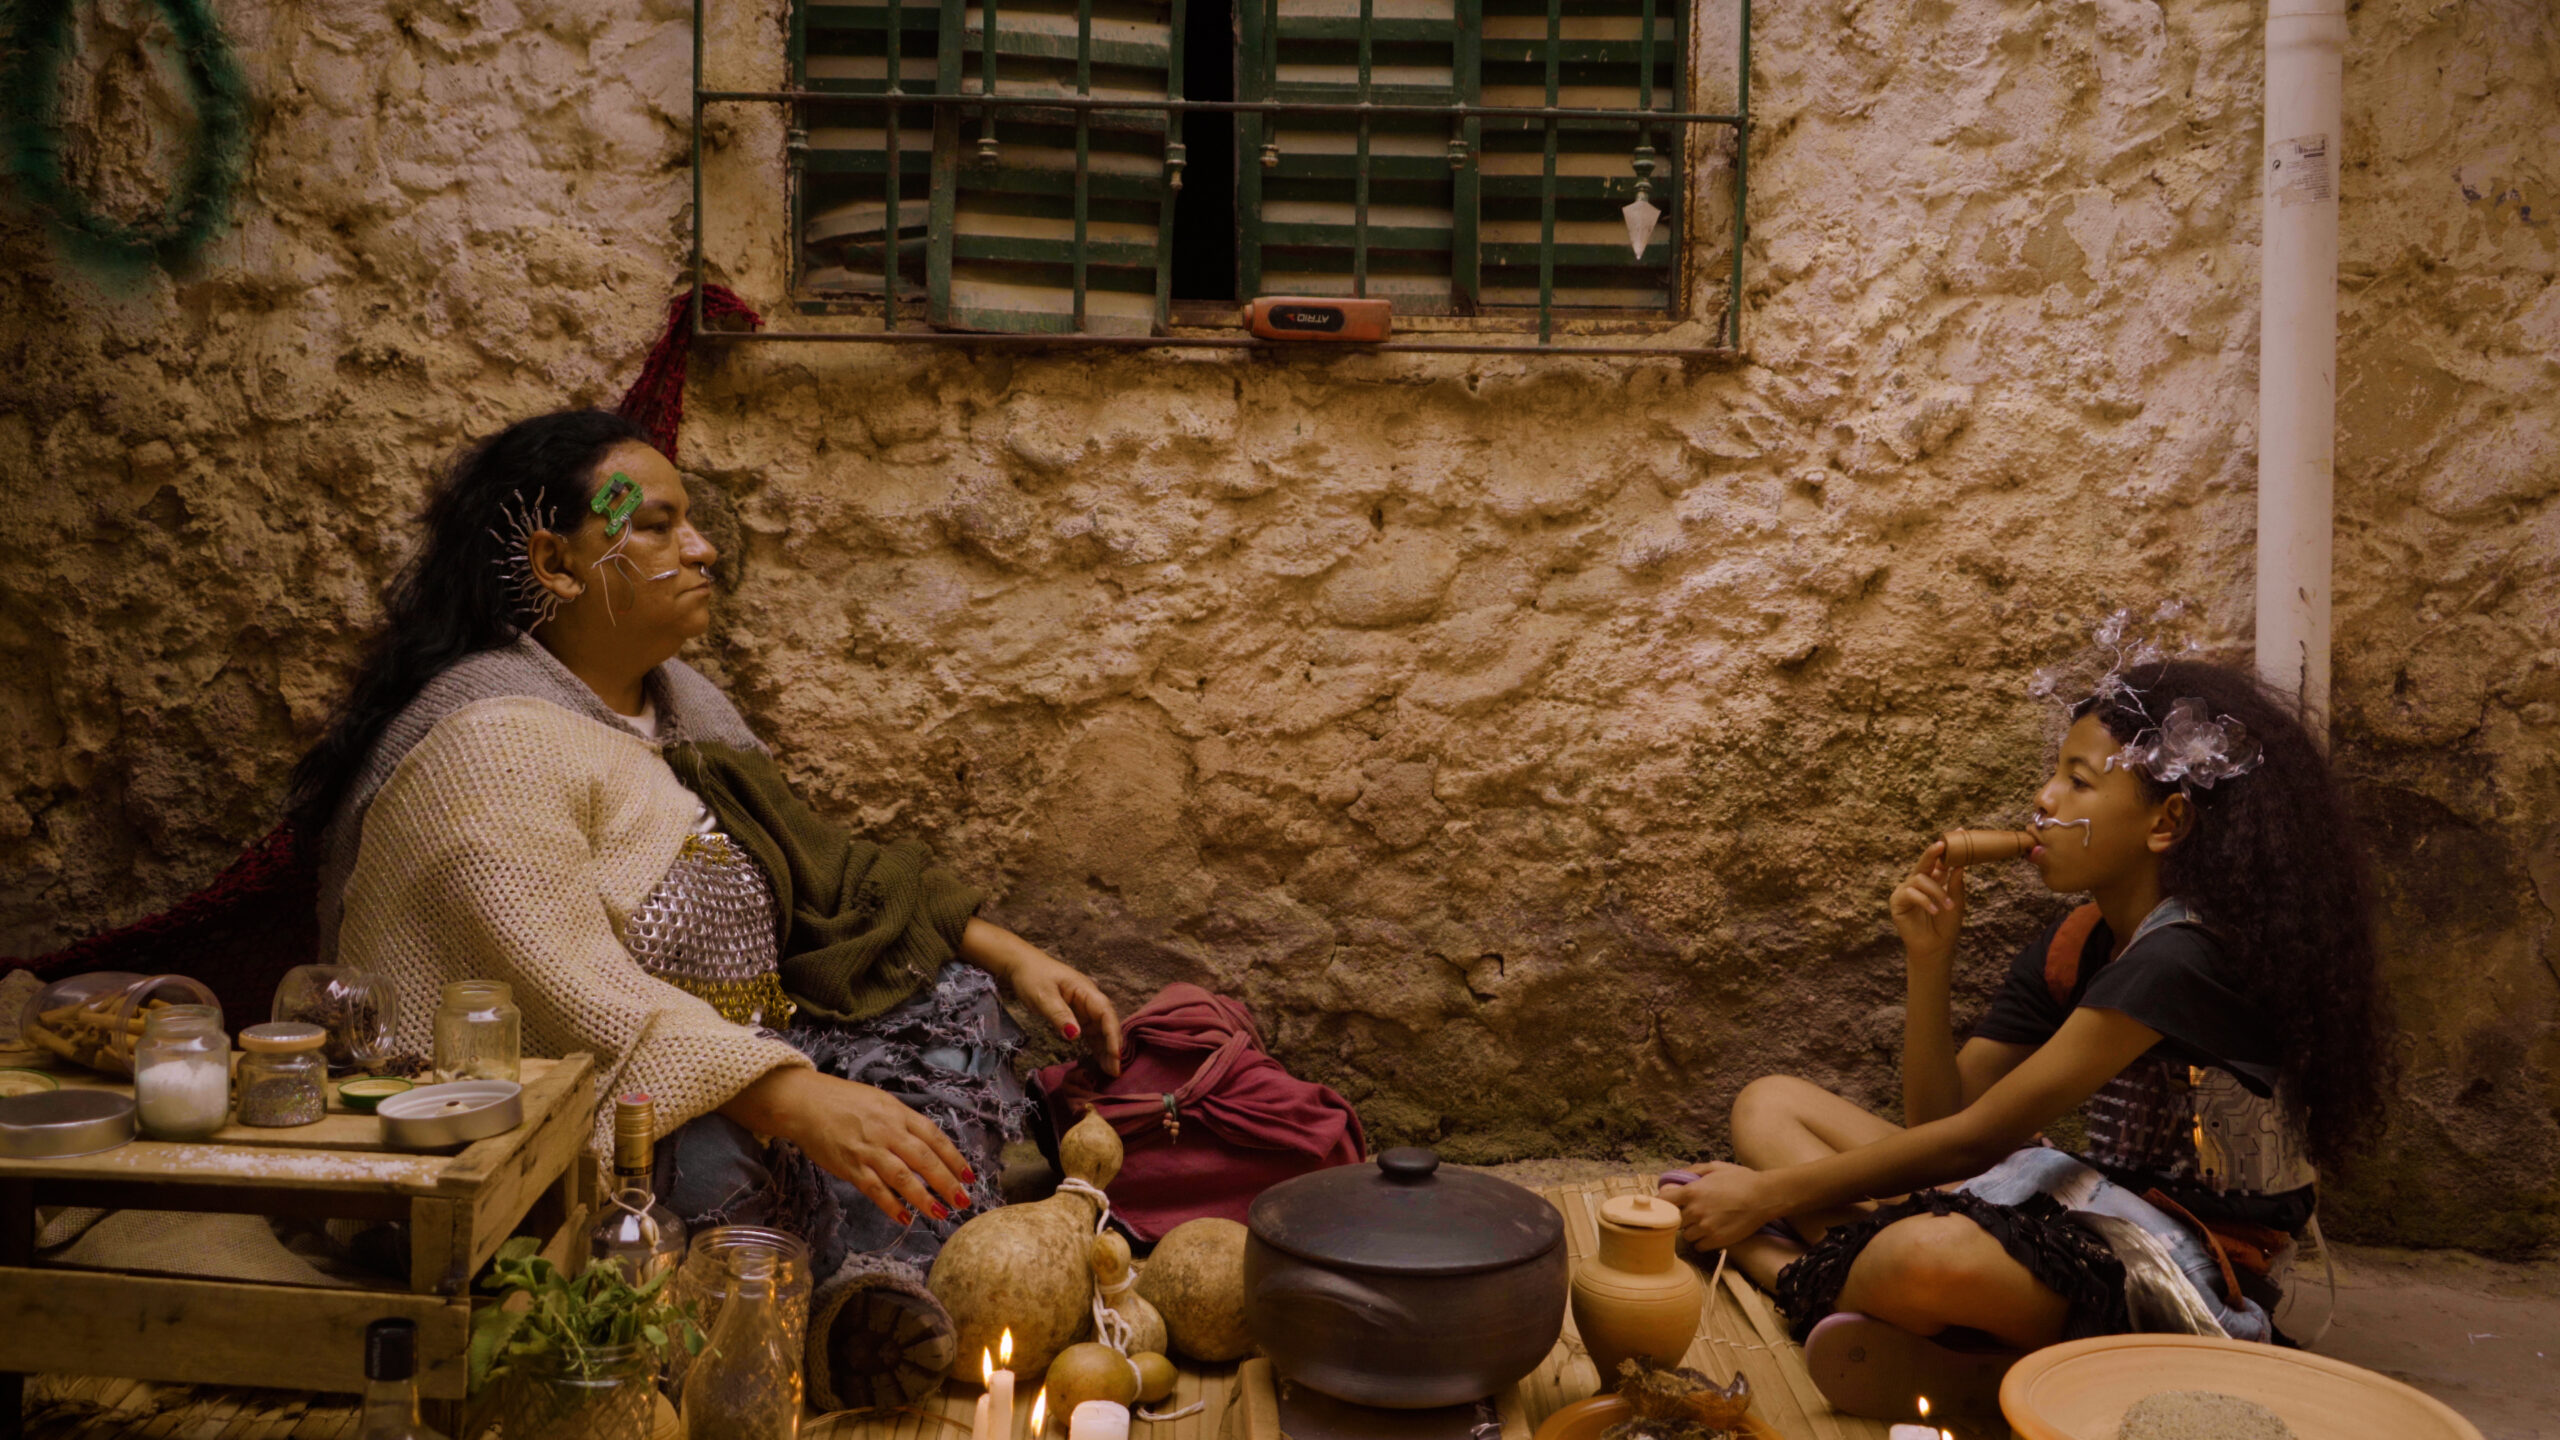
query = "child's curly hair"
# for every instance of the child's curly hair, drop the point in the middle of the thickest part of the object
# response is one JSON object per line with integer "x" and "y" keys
{"x": 2268, "y": 866}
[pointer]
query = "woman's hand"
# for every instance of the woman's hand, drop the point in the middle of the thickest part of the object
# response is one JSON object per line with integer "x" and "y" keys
{"x": 1726, "y": 1203}
{"x": 1063, "y": 995}
{"x": 861, "y": 1134}
{"x": 1928, "y": 906}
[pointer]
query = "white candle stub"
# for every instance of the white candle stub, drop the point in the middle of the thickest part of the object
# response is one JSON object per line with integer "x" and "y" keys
{"x": 1099, "y": 1420}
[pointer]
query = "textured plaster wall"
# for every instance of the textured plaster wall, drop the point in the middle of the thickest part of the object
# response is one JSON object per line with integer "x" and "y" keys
{"x": 1532, "y": 743}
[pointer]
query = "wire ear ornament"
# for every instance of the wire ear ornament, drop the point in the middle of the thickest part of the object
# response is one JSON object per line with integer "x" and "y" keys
{"x": 532, "y": 603}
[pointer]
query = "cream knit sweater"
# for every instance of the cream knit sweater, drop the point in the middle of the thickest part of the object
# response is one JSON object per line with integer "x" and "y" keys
{"x": 512, "y": 843}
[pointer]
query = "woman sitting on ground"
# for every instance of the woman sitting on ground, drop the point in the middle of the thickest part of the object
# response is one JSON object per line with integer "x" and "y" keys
{"x": 2216, "y": 1007}
{"x": 526, "y": 785}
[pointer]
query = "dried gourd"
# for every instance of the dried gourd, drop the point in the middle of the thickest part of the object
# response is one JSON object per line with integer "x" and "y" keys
{"x": 1119, "y": 1292}
{"x": 1029, "y": 1268}
{"x": 1195, "y": 1279}
{"x": 1091, "y": 1371}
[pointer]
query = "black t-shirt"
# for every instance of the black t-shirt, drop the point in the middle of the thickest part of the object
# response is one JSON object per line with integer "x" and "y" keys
{"x": 2176, "y": 981}
{"x": 2197, "y": 1116}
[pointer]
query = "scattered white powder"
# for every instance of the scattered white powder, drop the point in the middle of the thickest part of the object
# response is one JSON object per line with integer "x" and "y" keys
{"x": 183, "y": 1097}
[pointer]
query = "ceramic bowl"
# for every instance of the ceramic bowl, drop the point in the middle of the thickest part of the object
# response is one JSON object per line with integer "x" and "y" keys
{"x": 2080, "y": 1390}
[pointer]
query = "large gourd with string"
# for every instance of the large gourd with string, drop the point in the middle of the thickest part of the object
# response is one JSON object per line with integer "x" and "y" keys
{"x": 1029, "y": 1268}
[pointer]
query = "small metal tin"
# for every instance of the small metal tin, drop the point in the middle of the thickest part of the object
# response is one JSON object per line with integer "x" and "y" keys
{"x": 59, "y": 1123}
{"x": 437, "y": 1117}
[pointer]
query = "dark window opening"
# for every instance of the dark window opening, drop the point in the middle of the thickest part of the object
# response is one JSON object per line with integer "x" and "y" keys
{"x": 1204, "y": 214}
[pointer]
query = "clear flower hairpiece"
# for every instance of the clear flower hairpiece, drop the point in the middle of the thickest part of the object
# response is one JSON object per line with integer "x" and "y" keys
{"x": 2190, "y": 747}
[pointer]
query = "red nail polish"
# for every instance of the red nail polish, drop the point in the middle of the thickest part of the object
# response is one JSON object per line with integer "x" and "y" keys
{"x": 959, "y": 1201}
{"x": 968, "y": 1174}
{"x": 1072, "y": 1032}
{"x": 941, "y": 1214}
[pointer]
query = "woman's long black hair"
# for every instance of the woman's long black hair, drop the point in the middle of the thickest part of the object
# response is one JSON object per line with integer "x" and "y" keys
{"x": 454, "y": 597}
{"x": 2269, "y": 866}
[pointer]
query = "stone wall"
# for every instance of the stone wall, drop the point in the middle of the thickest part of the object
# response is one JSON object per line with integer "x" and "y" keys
{"x": 1532, "y": 742}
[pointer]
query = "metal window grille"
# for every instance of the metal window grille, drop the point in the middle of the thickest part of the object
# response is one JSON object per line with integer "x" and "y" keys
{"x": 1010, "y": 168}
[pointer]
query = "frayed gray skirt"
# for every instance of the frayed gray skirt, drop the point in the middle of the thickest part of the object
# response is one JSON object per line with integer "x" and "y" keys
{"x": 946, "y": 1051}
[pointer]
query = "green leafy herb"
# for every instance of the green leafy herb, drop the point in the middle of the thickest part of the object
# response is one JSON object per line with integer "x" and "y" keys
{"x": 549, "y": 1321}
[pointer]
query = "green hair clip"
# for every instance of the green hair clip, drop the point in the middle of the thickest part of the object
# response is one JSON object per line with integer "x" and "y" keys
{"x": 615, "y": 502}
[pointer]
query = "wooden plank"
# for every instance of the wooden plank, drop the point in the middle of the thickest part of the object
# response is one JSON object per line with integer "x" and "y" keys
{"x": 437, "y": 1246}
{"x": 561, "y": 1088}
{"x": 219, "y": 1332}
{"x": 1260, "y": 1401}
{"x": 238, "y": 1166}
{"x": 1789, "y": 1361}
{"x": 502, "y": 1185}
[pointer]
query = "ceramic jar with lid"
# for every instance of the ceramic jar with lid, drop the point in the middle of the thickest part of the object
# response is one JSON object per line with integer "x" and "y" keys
{"x": 284, "y": 1078}
{"x": 182, "y": 1073}
{"x": 1401, "y": 1284}
{"x": 1635, "y": 1297}
{"x": 479, "y": 1032}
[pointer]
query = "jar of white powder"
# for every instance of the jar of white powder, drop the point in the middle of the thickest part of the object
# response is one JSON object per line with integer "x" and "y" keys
{"x": 182, "y": 1073}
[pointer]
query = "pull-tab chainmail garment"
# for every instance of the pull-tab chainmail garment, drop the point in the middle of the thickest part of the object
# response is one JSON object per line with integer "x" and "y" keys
{"x": 708, "y": 929}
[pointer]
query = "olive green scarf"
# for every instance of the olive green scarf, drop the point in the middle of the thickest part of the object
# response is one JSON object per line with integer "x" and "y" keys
{"x": 865, "y": 926}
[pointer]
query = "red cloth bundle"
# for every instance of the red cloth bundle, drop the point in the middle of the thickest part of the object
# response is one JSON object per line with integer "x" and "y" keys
{"x": 1209, "y": 1119}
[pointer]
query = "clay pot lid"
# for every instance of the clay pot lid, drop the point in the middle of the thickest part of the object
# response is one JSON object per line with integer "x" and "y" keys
{"x": 2080, "y": 1390}
{"x": 1640, "y": 1212}
{"x": 1405, "y": 1216}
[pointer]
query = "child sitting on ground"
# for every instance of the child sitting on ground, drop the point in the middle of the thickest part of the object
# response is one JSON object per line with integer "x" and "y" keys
{"x": 2217, "y": 1006}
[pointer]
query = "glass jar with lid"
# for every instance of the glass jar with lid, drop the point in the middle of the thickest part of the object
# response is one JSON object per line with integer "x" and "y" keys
{"x": 479, "y": 1032}
{"x": 283, "y": 1075}
{"x": 182, "y": 1073}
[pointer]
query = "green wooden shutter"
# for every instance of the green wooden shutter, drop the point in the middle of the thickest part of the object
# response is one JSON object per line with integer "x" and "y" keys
{"x": 844, "y": 194}
{"x": 1338, "y": 205}
{"x": 1056, "y": 221}
{"x": 1481, "y": 235}
{"x": 1583, "y": 54}
{"x": 1013, "y": 219}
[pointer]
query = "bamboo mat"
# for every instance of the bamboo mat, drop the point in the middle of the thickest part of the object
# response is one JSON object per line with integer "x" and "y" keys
{"x": 1741, "y": 1331}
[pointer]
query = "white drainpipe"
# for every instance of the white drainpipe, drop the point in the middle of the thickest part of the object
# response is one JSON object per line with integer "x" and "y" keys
{"x": 2298, "y": 345}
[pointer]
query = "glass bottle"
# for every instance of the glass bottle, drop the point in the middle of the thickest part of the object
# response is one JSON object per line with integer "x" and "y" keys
{"x": 479, "y": 1032}
{"x": 746, "y": 1383}
{"x": 639, "y": 1232}
{"x": 283, "y": 1078}
{"x": 391, "y": 1384}
{"x": 182, "y": 1073}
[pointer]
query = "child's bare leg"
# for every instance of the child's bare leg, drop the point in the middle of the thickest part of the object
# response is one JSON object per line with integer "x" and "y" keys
{"x": 1930, "y": 1272}
{"x": 1779, "y": 1120}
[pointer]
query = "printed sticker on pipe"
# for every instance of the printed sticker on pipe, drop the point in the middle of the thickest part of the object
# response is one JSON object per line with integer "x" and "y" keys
{"x": 2298, "y": 170}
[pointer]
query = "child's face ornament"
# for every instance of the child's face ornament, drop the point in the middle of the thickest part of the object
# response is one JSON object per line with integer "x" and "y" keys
{"x": 2097, "y": 820}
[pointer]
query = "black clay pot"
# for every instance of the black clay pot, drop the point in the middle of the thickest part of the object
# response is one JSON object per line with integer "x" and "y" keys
{"x": 1402, "y": 1285}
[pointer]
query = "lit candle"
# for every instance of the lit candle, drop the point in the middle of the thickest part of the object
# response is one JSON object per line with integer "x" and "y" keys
{"x": 1916, "y": 1432}
{"x": 1099, "y": 1420}
{"x": 999, "y": 1390}
{"x": 994, "y": 1417}
{"x": 1040, "y": 1413}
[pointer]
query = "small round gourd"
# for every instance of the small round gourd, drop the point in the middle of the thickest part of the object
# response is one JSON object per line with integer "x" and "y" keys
{"x": 1155, "y": 1376}
{"x": 1111, "y": 1272}
{"x": 1195, "y": 1279}
{"x": 1091, "y": 1371}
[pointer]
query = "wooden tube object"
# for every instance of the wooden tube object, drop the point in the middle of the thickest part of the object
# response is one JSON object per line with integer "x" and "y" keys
{"x": 1983, "y": 847}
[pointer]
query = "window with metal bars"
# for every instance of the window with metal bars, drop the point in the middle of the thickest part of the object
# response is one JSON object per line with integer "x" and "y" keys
{"x": 1021, "y": 165}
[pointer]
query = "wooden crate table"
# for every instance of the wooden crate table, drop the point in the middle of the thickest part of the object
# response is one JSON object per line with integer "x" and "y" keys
{"x": 459, "y": 1207}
